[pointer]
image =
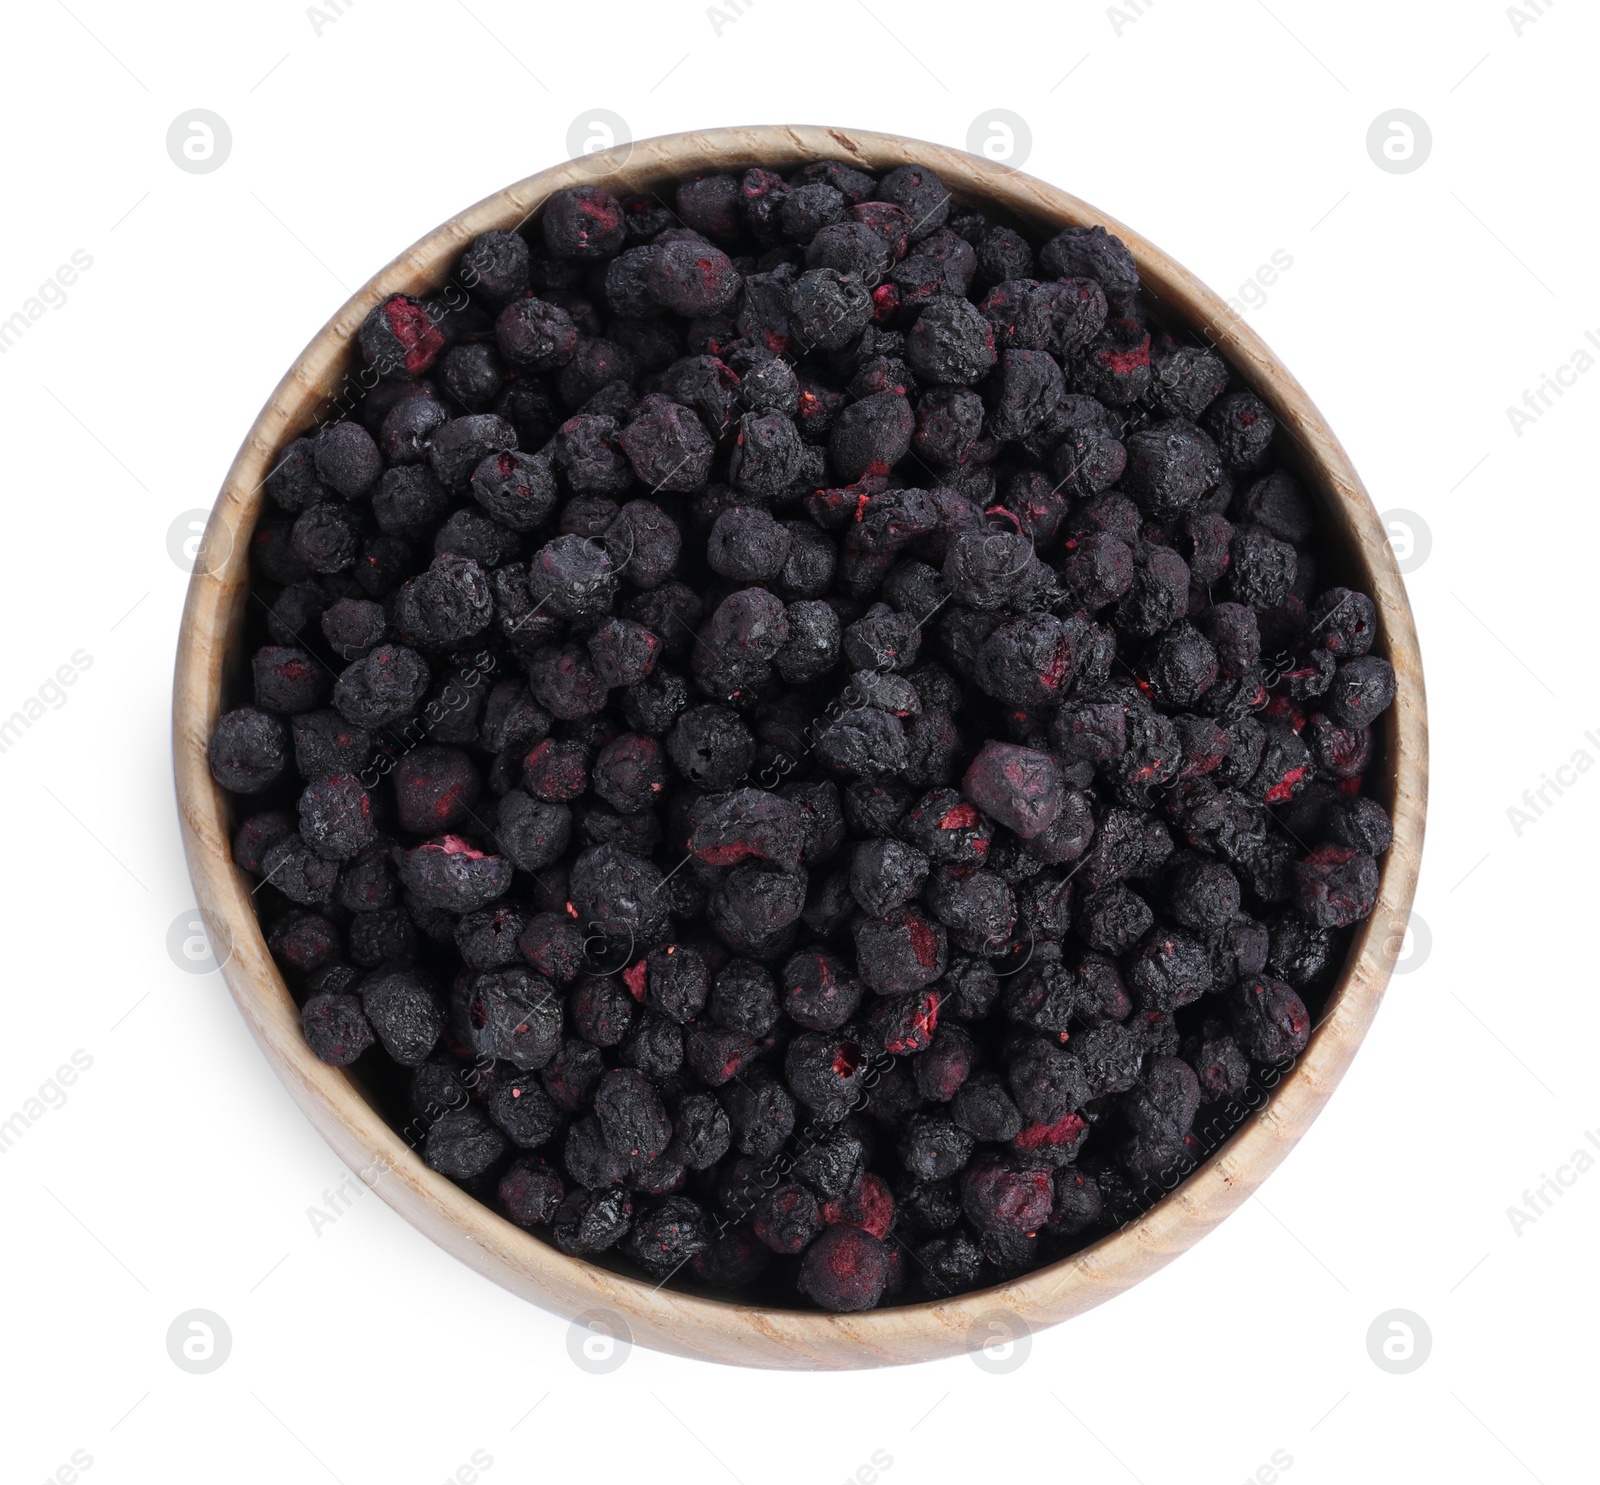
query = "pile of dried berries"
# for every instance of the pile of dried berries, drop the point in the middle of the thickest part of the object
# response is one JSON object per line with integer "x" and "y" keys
{"x": 796, "y": 737}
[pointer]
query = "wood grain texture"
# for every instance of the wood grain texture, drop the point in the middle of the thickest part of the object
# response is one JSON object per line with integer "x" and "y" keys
{"x": 667, "y": 1319}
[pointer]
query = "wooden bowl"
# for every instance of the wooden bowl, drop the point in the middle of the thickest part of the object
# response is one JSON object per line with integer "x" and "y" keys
{"x": 668, "y": 1319}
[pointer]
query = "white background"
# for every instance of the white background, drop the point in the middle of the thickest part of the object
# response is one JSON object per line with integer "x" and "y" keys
{"x": 1418, "y": 308}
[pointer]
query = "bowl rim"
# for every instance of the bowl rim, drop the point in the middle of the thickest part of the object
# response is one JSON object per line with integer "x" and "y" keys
{"x": 665, "y": 1319}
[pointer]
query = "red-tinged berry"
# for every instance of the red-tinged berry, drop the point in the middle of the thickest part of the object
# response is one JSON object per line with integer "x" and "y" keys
{"x": 1336, "y": 886}
{"x": 335, "y": 1028}
{"x": 531, "y": 1193}
{"x": 1270, "y": 1021}
{"x": 399, "y": 337}
{"x": 999, "y": 1197}
{"x": 844, "y": 1270}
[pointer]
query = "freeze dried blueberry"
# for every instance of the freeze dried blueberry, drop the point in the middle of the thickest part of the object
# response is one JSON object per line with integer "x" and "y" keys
{"x": 523, "y": 1111}
{"x": 571, "y": 1073}
{"x": 573, "y": 576}
{"x": 588, "y": 450}
{"x": 1028, "y": 662}
{"x": 403, "y": 1011}
{"x": 1269, "y": 1019}
{"x": 884, "y": 874}
{"x": 258, "y": 834}
{"x": 999, "y": 1197}
{"x": 948, "y": 829}
{"x": 691, "y": 278}
{"x": 1021, "y": 788}
{"x": 335, "y": 1028}
{"x": 978, "y": 908}
{"x": 1359, "y": 823}
{"x": 941, "y": 1071}
{"x": 808, "y": 208}
{"x": 1022, "y": 392}
{"x": 819, "y": 993}
{"x": 1242, "y": 425}
{"x": 632, "y": 1117}
{"x": 951, "y": 343}
{"x": 534, "y": 335}
{"x": 462, "y": 444}
{"x": 248, "y": 750}
{"x": 900, "y": 952}
{"x": 1343, "y": 622}
{"x": 1276, "y": 502}
{"x": 864, "y": 741}
{"x": 827, "y": 309}
{"x": 1262, "y": 568}
{"x": 1091, "y": 252}
{"x": 1113, "y": 919}
{"x": 1170, "y": 970}
{"x": 1220, "y": 1063}
{"x": 336, "y": 817}
{"x": 787, "y": 1218}
{"x": 992, "y": 569}
{"x": 620, "y": 892}
{"x": 1361, "y": 692}
{"x": 463, "y": 1143}
{"x": 746, "y": 545}
{"x": 298, "y": 872}
{"x": 932, "y": 1148}
{"x": 487, "y": 939}
{"x": 583, "y": 222}
{"x": 1170, "y": 466}
{"x": 327, "y": 538}
{"x": 852, "y": 247}
{"x": 712, "y": 204}
{"x": 1115, "y": 365}
{"x": 448, "y": 603}
{"x": 761, "y": 1112}
{"x": 471, "y": 375}
{"x": 845, "y": 1269}
{"x": 667, "y": 1238}
{"x": 451, "y": 874}
{"x": 495, "y": 265}
{"x": 711, "y": 747}
{"x": 753, "y": 904}
{"x": 729, "y": 828}
{"x": 1336, "y": 886}
{"x": 531, "y": 833}
{"x": 517, "y": 489}
{"x": 589, "y": 1222}
{"x": 287, "y": 679}
{"x": 1182, "y": 666}
{"x": 531, "y": 1193}
{"x": 630, "y": 773}
{"x": 1204, "y": 895}
{"x": 983, "y": 1108}
{"x": 1188, "y": 379}
{"x": 381, "y": 688}
{"x": 667, "y": 445}
{"x": 399, "y": 338}
{"x": 871, "y": 436}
